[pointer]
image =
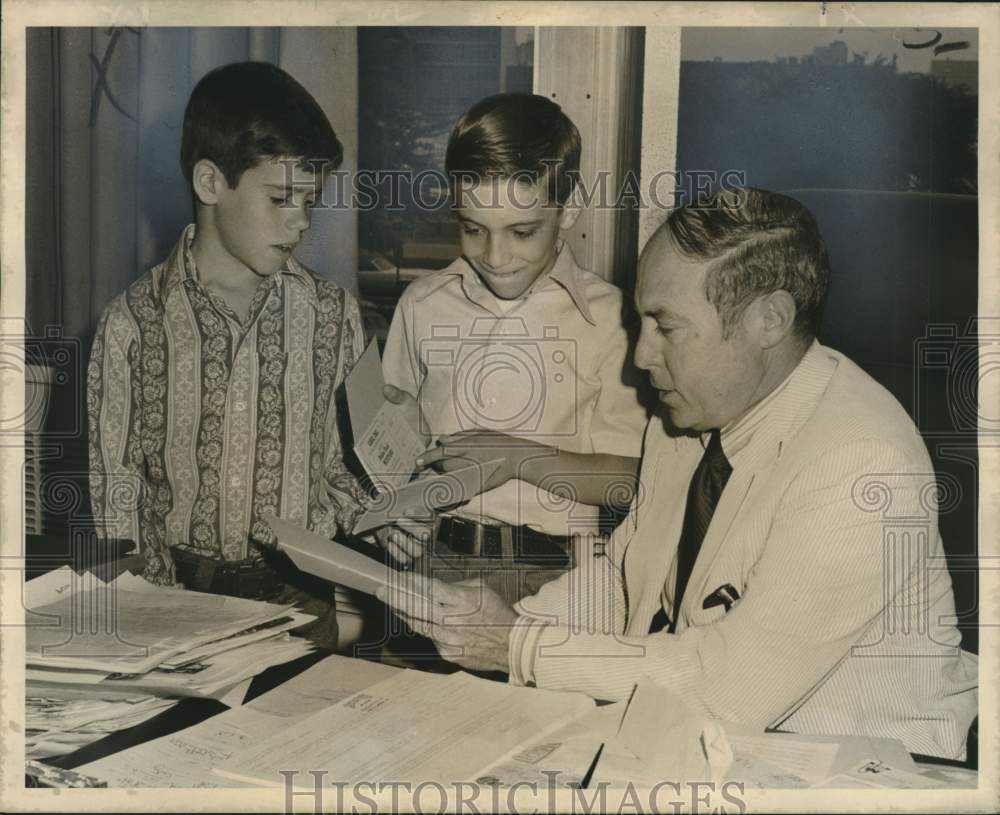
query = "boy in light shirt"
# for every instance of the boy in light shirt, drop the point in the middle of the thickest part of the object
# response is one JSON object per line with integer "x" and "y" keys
{"x": 515, "y": 353}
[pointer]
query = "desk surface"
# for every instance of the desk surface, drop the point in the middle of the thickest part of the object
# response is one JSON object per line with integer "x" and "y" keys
{"x": 191, "y": 711}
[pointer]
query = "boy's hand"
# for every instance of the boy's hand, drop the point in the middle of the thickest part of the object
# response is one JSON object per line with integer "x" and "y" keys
{"x": 406, "y": 539}
{"x": 409, "y": 407}
{"x": 469, "y": 623}
{"x": 458, "y": 450}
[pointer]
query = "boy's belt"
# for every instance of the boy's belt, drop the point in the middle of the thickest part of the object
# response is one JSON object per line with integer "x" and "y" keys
{"x": 482, "y": 540}
{"x": 252, "y": 578}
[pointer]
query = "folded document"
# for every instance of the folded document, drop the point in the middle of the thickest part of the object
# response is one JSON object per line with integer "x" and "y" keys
{"x": 331, "y": 560}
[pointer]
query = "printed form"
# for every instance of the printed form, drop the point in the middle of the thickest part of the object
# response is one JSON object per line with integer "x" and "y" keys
{"x": 412, "y": 727}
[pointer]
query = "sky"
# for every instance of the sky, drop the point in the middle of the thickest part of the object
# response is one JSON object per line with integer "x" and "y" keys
{"x": 748, "y": 44}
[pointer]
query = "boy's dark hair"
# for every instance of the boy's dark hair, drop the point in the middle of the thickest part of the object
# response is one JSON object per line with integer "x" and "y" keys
{"x": 516, "y": 135}
{"x": 247, "y": 112}
{"x": 761, "y": 242}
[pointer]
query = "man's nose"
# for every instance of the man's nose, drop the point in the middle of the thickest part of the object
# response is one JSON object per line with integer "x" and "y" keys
{"x": 645, "y": 356}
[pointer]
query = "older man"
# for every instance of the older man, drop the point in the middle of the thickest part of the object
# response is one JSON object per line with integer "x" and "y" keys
{"x": 760, "y": 574}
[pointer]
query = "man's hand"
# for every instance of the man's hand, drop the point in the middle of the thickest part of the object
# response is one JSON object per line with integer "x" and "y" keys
{"x": 468, "y": 622}
{"x": 459, "y": 450}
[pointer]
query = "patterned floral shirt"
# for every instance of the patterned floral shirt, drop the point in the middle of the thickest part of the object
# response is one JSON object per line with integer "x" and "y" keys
{"x": 200, "y": 424}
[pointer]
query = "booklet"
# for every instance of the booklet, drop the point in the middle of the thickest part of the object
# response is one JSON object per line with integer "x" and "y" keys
{"x": 385, "y": 442}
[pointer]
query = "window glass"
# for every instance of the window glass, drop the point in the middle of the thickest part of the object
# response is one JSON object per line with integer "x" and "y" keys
{"x": 414, "y": 84}
{"x": 851, "y": 109}
{"x": 875, "y": 131}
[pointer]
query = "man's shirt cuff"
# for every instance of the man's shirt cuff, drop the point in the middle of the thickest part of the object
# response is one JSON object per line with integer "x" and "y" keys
{"x": 522, "y": 647}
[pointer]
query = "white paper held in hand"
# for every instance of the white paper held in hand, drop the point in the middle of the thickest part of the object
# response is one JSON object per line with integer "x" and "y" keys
{"x": 333, "y": 561}
{"x": 426, "y": 494}
{"x": 384, "y": 441}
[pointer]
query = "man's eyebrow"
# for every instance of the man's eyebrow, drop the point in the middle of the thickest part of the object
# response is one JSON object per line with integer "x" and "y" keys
{"x": 663, "y": 313}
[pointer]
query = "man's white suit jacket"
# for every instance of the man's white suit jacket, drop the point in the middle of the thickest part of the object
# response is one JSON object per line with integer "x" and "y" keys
{"x": 827, "y": 529}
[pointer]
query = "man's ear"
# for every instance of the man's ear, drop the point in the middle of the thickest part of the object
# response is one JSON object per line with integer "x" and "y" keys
{"x": 208, "y": 181}
{"x": 776, "y": 314}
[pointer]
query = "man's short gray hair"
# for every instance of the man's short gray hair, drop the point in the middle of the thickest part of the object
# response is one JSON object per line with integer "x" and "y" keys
{"x": 761, "y": 242}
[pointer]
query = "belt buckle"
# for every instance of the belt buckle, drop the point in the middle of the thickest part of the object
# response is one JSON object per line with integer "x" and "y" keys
{"x": 491, "y": 544}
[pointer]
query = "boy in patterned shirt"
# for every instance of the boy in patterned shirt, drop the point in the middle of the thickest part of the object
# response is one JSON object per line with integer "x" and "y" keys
{"x": 212, "y": 377}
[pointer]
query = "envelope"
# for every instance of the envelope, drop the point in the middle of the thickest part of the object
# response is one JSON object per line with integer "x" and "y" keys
{"x": 331, "y": 560}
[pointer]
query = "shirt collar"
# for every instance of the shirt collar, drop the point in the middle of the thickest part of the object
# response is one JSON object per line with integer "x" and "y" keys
{"x": 750, "y": 436}
{"x": 565, "y": 273}
{"x": 180, "y": 268}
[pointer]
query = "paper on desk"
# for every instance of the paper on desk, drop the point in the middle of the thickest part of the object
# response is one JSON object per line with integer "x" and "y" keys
{"x": 216, "y": 675}
{"x": 57, "y": 723}
{"x": 878, "y": 774}
{"x": 850, "y": 750}
{"x": 333, "y": 561}
{"x": 423, "y": 495}
{"x": 294, "y": 619}
{"x": 186, "y": 758}
{"x": 562, "y": 758}
{"x": 49, "y": 587}
{"x": 413, "y": 727}
{"x": 666, "y": 735}
{"x": 105, "y": 627}
{"x": 384, "y": 441}
{"x": 777, "y": 761}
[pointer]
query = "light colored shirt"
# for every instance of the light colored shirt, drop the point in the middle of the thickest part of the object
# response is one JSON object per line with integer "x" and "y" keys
{"x": 734, "y": 437}
{"x": 827, "y": 529}
{"x": 550, "y": 367}
{"x": 201, "y": 424}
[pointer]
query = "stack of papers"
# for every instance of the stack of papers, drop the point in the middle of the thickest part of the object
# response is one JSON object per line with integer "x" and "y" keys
{"x": 59, "y": 724}
{"x": 131, "y": 636}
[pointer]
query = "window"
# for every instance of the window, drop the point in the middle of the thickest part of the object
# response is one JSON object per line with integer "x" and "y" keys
{"x": 875, "y": 131}
{"x": 414, "y": 83}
